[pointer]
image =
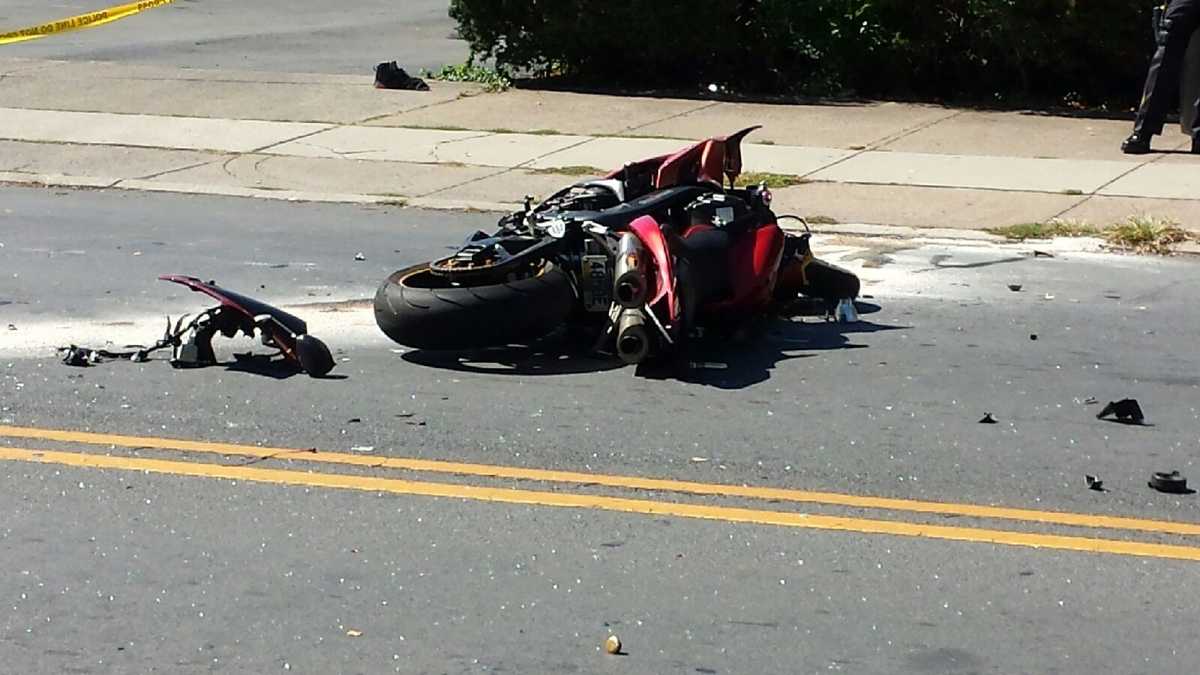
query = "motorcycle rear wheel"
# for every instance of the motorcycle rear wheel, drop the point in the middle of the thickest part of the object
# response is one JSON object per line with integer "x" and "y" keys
{"x": 420, "y": 309}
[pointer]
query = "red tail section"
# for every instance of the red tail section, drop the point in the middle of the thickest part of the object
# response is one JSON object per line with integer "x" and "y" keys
{"x": 648, "y": 231}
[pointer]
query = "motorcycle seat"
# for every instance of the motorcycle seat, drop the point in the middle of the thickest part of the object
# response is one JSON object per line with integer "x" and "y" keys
{"x": 653, "y": 204}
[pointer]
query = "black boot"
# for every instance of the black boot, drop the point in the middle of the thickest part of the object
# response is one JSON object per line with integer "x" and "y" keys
{"x": 1136, "y": 144}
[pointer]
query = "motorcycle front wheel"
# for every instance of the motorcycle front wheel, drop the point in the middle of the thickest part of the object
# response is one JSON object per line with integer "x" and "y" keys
{"x": 420, "y": 309}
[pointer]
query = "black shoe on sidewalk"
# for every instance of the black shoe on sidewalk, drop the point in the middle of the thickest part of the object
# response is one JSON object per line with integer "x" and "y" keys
{"x": 1136, "y": 144}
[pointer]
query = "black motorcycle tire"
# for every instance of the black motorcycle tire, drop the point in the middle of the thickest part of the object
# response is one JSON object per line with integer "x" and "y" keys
{"x": 830, "y": 282}
{"x": 419, "y": 309}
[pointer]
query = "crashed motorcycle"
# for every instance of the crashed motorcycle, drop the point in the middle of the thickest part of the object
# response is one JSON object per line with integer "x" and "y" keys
{"x": 638, "y": 261}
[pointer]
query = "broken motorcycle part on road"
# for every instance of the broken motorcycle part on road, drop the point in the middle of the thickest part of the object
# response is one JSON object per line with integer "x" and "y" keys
{"x": 1126, "y": 410}
{"x": 191, "y": 342}
{"x": 1170, "y": 483}
{"x": 988, "y": 419}
{"x": 1094, "y": 483}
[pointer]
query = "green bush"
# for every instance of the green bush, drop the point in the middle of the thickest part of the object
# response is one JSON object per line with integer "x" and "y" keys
{"x": 1086, "y": 51}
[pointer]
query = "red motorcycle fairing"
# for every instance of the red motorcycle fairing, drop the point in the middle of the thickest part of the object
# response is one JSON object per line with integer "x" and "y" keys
{"x": 282, "y": 332}
{"x": 754, "y": 266}
{"x": 648, "y": 231}
{"x": 709, "y": 161}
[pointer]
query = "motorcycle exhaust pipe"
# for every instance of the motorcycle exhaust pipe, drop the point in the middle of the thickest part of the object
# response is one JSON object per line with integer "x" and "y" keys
{"x": 633, "y": 340}
{"x": 631, "y": 286}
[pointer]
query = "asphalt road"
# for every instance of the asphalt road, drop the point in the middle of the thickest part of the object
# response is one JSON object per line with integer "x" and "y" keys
{"x": 273, "y": 35}
{"x": 130, "y": 555}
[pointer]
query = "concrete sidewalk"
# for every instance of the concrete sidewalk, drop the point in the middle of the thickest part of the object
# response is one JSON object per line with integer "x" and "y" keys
{"x": 336, "y": 138}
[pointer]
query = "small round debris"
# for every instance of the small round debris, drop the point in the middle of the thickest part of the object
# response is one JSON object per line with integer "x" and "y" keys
{"x": 1171, "y": 483}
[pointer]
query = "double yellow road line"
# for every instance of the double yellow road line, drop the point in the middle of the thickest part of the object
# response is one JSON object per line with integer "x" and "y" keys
{"x": 566, "y": 499}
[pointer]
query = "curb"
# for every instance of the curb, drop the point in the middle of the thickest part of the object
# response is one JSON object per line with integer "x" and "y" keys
{"x": 866, "y": 231}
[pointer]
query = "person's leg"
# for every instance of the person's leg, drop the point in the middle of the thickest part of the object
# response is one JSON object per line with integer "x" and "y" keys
{"x": 1190, "y": 101}
{"x": 1195, "y": 131}
{"x": 1162, "y": 80}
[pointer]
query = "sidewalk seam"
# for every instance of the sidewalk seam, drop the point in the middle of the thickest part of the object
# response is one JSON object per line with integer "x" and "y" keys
{"x": 168, "y": 172}
{"x": 1096, "y": 193}
{"x": 905, "y": 133}
{"x": 372, "y": 118}
{"x": 589, "y": 139}
{"x": 875, "y": 146}
{"x": 255, "y": 151}
{"x": 668, "y": 118}
{"x": 522, "y": 165}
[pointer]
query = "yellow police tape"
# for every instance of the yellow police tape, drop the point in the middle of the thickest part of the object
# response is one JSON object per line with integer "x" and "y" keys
{"x": 89, "y": 20}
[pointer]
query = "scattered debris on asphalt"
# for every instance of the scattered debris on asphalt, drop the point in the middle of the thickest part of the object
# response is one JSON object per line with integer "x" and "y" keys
{"x": 354, "y": 420}
{"x": 1048, "y": 296}
{"x": 1015, "y": 288}
{"x": 988, "y": 419}
{"x": 191, "y": 342}
{"x": 1042, "y": 254}
{"x": 612, "y": 645}
{"x": 1170, "y": 483}
{"x": 362, "y": 448}
{"x": 1095, "y": 483}
{"x": 392, "y": 76}
{"x": 12, "y": 326}
{"x": 82, "y": 357}
{"x": 79, "y": 357}
{"x": 1126, "y": 410}
{"x": 1033, "y": 336}
{"x": 360, "y": 256}
{"x": 1091, "y": 400}
{"x": 353, "y": 633}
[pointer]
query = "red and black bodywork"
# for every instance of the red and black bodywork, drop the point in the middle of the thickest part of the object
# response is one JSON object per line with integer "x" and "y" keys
{"x": 239, "y": 313}
{"x": 646, "y": 254}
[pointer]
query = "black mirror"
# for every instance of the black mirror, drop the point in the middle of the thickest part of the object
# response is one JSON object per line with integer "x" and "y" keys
{"x": 314, "y": 356}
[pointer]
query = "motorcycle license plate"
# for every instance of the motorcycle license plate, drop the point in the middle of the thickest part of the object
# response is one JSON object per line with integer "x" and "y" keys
{"x": 596, "y": 282}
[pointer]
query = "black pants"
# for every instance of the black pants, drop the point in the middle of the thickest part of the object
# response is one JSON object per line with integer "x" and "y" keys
{"x": 1162, "y": 83}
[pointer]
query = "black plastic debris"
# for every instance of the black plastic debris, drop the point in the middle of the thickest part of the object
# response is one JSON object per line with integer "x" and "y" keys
{"x": 78, "y": 356}
{"x": 190, "y": 341}
{"x": 1126, "y": 410}
{"x": 1015, "y": 287}
{"x": 1171, "y": 483}
{"x": 988, "y": 419}
{"x": 1033, "y": 336}
{"x": 1042, "y": 254}
{"x": 82, "y": 357}
{"x": 1094, "y": 483}
{"x": 392, "y": 76}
